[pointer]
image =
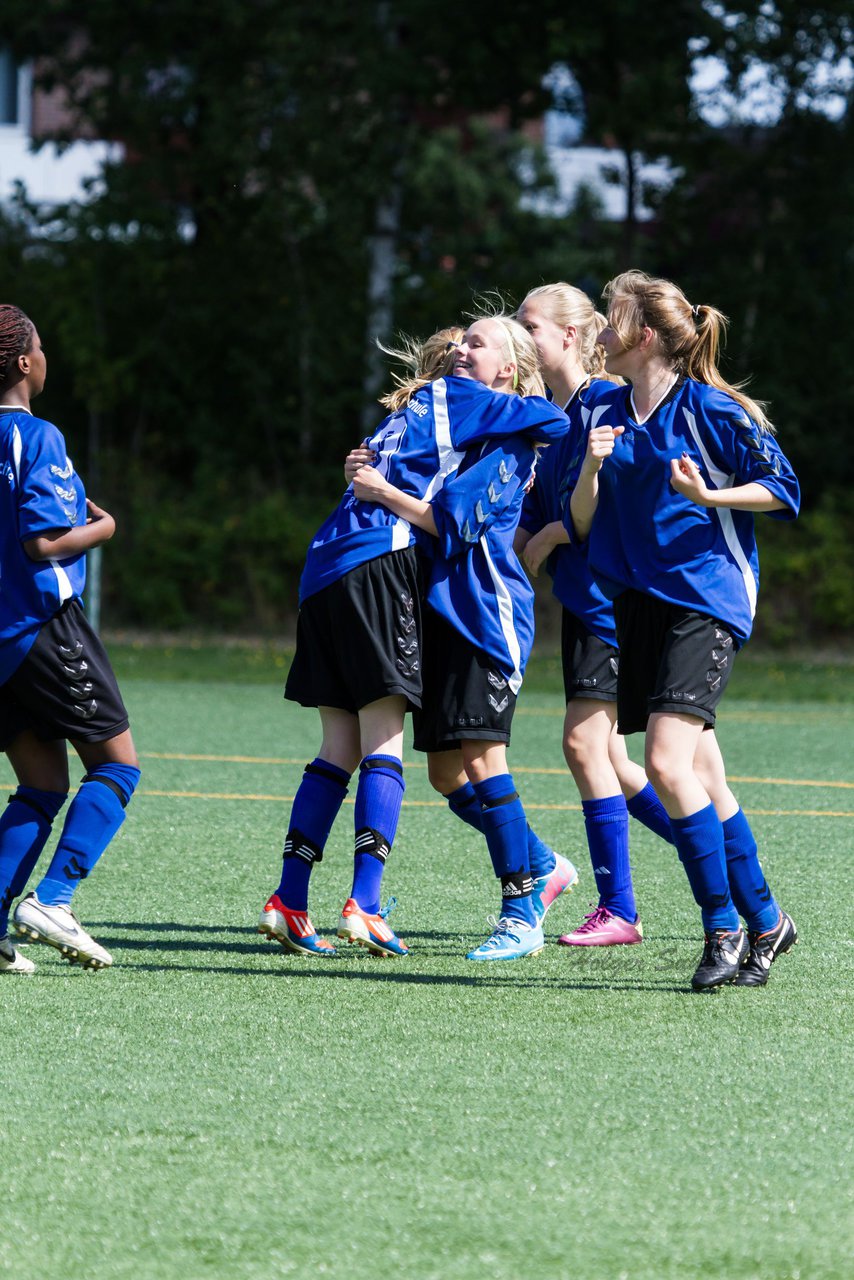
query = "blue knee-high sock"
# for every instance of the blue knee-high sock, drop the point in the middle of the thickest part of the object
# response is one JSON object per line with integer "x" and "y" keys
{"x": 699, "y": 841}
{"x": 93, "y": 818}
{"x": 747, "y": 884}
{"x": 505, "y": 828}
{"x": 317, "y": 802}
{"x": 378, "y": 800}
{"x": 648, "y": 809}
{"x": 464, "y": 803}
{"x": 24, "y": 830}
{"x": 607, "y": 825}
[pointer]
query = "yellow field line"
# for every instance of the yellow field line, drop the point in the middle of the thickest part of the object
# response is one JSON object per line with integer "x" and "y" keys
{"x": 441, "y": 804}
{"x": 417, "y": 764}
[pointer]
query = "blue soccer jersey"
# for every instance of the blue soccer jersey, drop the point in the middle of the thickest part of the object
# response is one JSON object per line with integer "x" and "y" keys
{"x": 476, "y": 581}
{"x": 648, "y": 537}
{"x": 548, "y": 501}
{"x": 40, "y": 491}
{"x": 417, "y": 449}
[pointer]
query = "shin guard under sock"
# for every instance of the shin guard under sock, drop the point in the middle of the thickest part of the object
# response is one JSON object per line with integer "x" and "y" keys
{"x": 317, "y": 803}
{"x": 606, "y": 822}
{"x": 378, "y": 801}
{"x": 750, "y": 893}
{"x": 699, "y": 841}
{"x": 94, "y": 816}
{"x": 24, "y": 830}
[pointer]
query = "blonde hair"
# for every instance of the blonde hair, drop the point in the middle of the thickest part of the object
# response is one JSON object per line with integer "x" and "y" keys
{"x": 428, "y": 360}
{"x": 688, "y": 337}
{"x": 564, "y": 305}
{"x": 520, "y": 350}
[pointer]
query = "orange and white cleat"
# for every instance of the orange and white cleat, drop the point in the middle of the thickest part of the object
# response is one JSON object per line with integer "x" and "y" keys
{"x": 370, "y": 931}
{"x": 292, "y": 929}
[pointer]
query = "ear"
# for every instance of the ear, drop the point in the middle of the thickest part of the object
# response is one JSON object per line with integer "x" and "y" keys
{"x": 24, "y": 364}
{"x": 647, "y": 337}
{"x": 570, "y": 335}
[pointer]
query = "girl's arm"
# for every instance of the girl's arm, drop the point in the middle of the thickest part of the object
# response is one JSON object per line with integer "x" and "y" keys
{"x": 62, "y": 544}
{"x": 585, "y": 495}
{"x": 686, "y": 478}
{"x": 370, "y": 486}
{"x": 539, "y": 546}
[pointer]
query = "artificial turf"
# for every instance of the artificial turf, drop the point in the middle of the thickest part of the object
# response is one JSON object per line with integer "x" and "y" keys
{"x": 212, "y": 1107}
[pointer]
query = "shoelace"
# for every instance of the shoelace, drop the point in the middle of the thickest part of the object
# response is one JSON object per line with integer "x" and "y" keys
{"x": 388, "y": 908}
{"x": 598, "y": 916}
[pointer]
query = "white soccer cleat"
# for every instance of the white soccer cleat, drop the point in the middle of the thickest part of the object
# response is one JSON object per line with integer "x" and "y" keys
{"x": 59, "y": 927}
{"x": 11, "y": 961}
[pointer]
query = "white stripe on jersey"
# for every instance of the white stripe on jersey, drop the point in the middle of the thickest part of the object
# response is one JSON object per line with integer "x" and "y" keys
{"x": 17, "y": 446}
{"x": 62, "y": 581}
{"x": 723, "y": 481}
{"x": 505, "y": 617}
{"x": 449, "y": 458}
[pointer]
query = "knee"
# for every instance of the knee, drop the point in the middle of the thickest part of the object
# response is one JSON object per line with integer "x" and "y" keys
{"x": 579, "y": 750}
{"x": 120, "y": 779}
{"x": 664, "y": 769}
{"x": 443, "y": 776}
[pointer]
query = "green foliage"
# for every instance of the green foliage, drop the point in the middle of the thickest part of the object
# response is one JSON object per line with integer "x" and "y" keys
{"x": 207, "y": 313}
{"x": 807, "y": 593}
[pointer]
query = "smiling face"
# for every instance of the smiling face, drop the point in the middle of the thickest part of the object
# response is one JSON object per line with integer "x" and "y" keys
{"x": 483, "y": 356}
{"x": 551, "y": 339}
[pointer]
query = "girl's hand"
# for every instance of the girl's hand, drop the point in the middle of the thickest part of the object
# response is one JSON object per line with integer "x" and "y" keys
{"x": 356, "y": 458}
{"x": 686, "y": 479}
{"x": 95, "y": 515}
{"x": 369, "y": 485}
{"x": 600, "y": 445}
{"x": 537, "y": 549}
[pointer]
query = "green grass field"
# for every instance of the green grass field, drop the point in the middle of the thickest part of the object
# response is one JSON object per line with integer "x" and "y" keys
{"x": 211, "y": 1107}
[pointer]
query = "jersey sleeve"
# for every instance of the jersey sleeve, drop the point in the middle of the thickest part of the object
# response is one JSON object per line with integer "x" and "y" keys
{"x": 468, "y": 505}
{"x": 738, "y": 447}
{"x": 476, "y": 414}
{"x": 49, "y": 492}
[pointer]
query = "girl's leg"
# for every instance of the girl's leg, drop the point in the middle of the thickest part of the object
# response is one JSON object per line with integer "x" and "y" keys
{"x": 551, "y": 874}
{"x": 518, "y": 932}
{"x": 671, "y": 745}
{"x": 588, "y": 727}
{"x": 642, "y": 802}
{"x": 95, "y": 815}
{"x": 748, "y": 886}
{"x": 378, "y": 802}
{"x": 316, "y": 805}
{"x": 42, "y": 772}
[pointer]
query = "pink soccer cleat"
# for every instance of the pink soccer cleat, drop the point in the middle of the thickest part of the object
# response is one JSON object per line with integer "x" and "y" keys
{"x": 603, "y": 929}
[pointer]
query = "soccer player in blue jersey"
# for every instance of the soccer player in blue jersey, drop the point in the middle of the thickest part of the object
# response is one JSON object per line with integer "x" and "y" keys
{"x": 359, "y": 654}
{"x": 479, "y": 621}
{"x": 677, "y": 464}
{"x": 56, "y": 682}
{"x": 565, "y": 326}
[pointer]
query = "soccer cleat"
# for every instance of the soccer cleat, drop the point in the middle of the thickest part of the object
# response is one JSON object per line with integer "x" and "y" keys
{"x": 510, "y": 940}
{"x": 723, "y": 954}
{"x": 602, "y": 928}
{"x": 764, "y": 949}
{"x": 547, "y": 889}
{"x": 60, "y": 928}
{"x": 292, "y": 929}
{"x": 11, "y": 960}
{"x": 370, "y": 931}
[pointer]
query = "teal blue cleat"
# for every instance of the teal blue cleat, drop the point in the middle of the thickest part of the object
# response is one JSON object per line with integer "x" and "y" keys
{"x": 510, "y": 940}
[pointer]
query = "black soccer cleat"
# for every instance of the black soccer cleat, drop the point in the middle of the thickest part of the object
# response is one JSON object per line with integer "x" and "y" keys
{"x": 723, "y": 954}
{"x": 764, "y": 949}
